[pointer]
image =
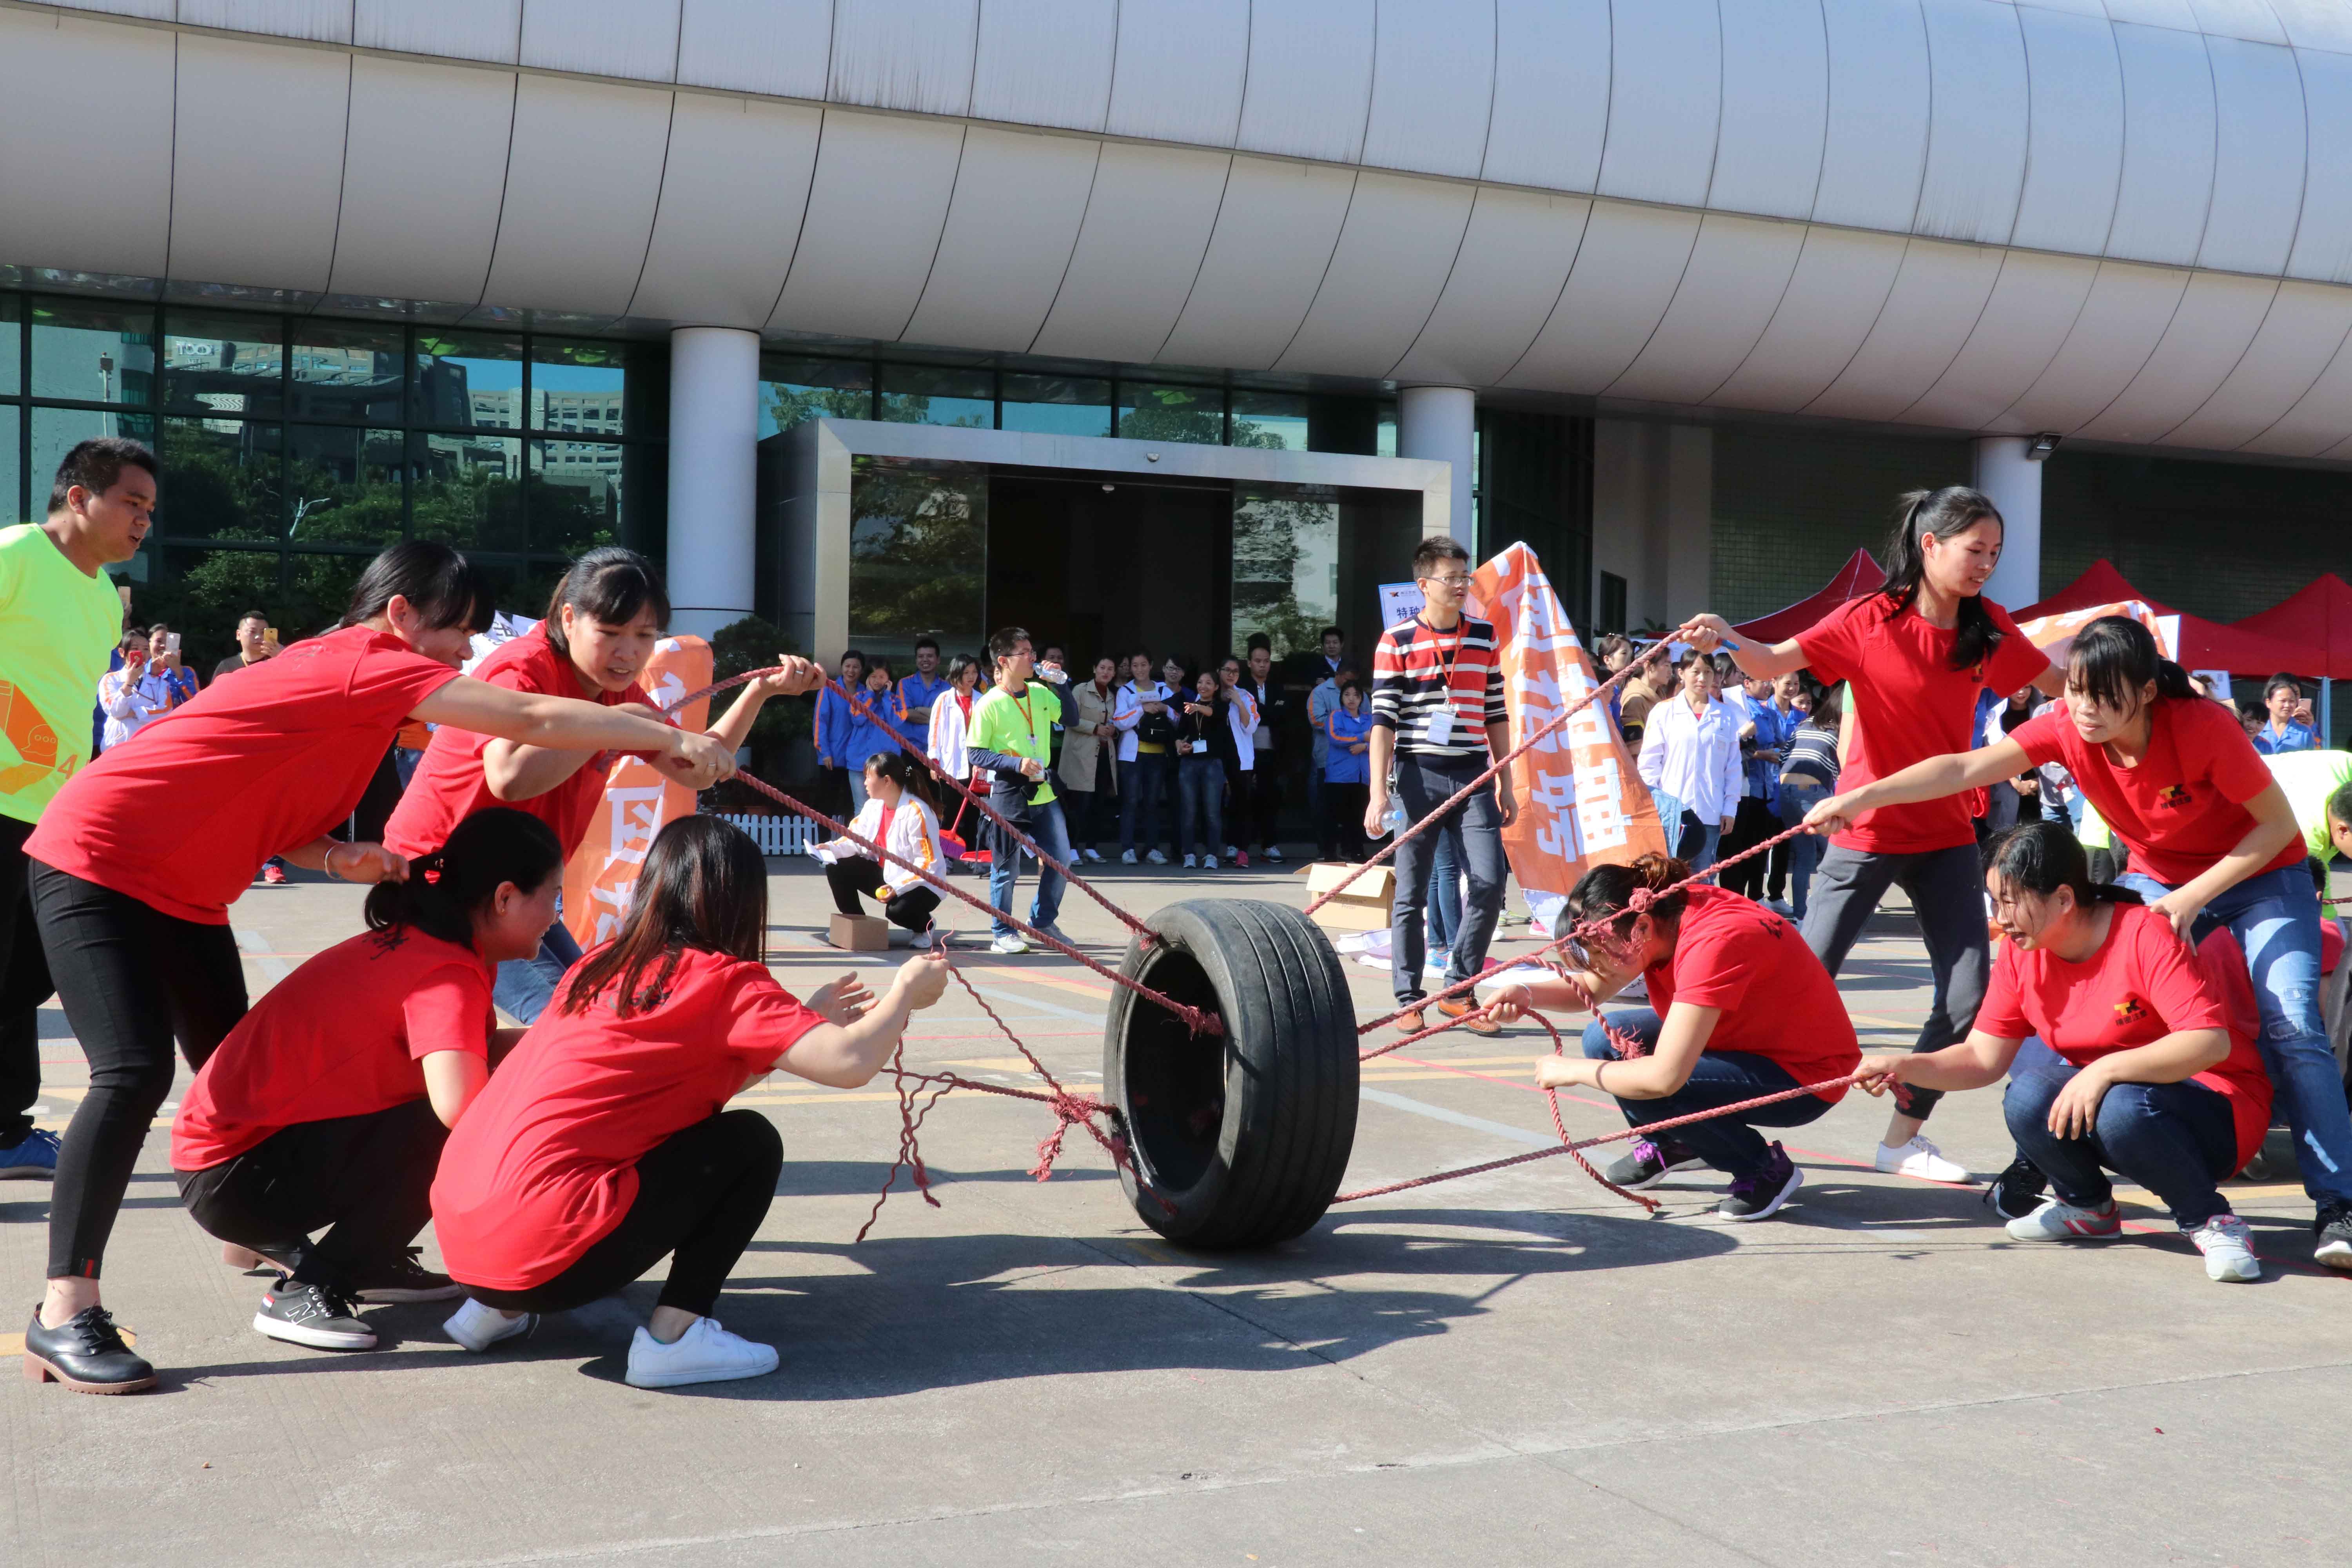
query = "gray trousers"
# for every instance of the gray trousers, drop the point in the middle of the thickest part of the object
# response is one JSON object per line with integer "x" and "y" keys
{"x": 1946, "y": 891}
{"x": 1475, "y": 830}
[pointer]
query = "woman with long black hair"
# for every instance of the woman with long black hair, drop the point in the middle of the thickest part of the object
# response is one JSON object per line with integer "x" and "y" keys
{"x": 1915, "y": 655}
{"x": 136, "y": 862}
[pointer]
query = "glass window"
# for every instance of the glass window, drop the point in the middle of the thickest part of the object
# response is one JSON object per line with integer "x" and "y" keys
{"x": 522, "y": 587}
{"x": 1057, "y": 404}
{"x": 468, "y": 380}
{"x": 1270, "y": 419}
{"x": 1386, "y": 446}
{"x": 56, "y": 431}
{"x": 1194, "y": 413}
{"x": 791, "y": 390}
{"x": 12, "y": 344}
{"x": 569, "y": 380}
{"x": 221, "y": 479}
{"x": 928, "y": 395}
{"x": 343, "y": 486}
{"x": 1286, "y": 567}
{"x": 227, "y": 364}
{"x": 576, "y": 495}
{"x": 15, "y": 504}
{"x": 467, "y": 490}
{"x": 351, "y": 374}
{"x": 917, "y": 550}
{"x": 201, "y": 593}
{"x": 93, "y": 353}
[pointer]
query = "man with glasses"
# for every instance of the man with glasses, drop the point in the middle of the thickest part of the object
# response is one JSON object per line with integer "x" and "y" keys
{"x": 1438, "y": 715}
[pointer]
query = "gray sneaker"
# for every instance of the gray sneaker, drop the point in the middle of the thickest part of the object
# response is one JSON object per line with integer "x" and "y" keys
{"x": 1649, "y": 1164}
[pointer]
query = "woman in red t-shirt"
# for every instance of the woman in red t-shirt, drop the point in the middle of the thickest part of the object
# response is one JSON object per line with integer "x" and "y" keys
{"x": 1915, "y": 655}
{"x": 136, "y": 861}
{"x": 2214, "y": 843}
{"x": 326, "y": 1105}
{"x": 1738, "y": 1007}
{"x": 603, "y": 621}
{"x": 2146, "y": 1066}
{"x": 602, "y": 1145}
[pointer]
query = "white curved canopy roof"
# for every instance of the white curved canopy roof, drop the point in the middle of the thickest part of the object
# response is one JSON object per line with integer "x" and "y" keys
{"x": 2129, "y": 220}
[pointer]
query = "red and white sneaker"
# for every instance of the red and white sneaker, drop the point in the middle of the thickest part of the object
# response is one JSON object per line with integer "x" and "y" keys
{"x": 273, "y": 873}
{"x": 2055, "y": 1221}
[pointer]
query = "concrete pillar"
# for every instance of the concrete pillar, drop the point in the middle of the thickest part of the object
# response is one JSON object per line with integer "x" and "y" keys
{"x": 1442, "y": 422}
{"x": 714, "y": 433}
{"x": 2013, "y": 481}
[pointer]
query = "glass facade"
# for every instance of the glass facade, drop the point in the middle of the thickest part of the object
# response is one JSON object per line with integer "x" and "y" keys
{"x": 918, "y": 553}
{"x": 1286, "y": 567}
{"x": 292, "y": 450}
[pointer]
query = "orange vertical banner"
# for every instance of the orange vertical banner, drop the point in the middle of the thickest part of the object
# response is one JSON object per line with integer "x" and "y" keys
{"x": 601, "y": 875}
{"x": 1581, "y": 802}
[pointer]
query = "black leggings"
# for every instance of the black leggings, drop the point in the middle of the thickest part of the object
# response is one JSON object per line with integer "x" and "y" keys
{"x": 24, "y": 986}
{"x": 701, "y": 1195}
{"x": 370, "y": 1177}
{"x": 911, "y": 909}
{"x": 132, "y": 979}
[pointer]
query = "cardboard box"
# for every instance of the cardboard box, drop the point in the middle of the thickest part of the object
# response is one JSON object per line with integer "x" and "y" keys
{"x": 859, "y": 934}
{"x": 1365, "y": 904}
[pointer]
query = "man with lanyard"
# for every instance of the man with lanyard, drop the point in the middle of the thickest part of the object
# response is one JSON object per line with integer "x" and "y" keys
{"x": 59, "y": 615}
{"x": 919, "y": 691}
{"x": 1012, "y": 740}
{"x": 1437, "y": 681}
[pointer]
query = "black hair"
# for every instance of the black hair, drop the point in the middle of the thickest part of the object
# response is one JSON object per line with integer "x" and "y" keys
{"x": 1330, "y": 632}
{"x": 901, "y": 769}
{"x": 1437, "y": 547}
{"x": 2112, "y": 661}
{"x": 1953, "y": 509}
{"x": 2042, "y": 857}
{"x": 1007, "y": 642}
{"x": 1606, "y": 893}
{"x": 1829, "y": 707}
{"x": 611, "y": 586}
{"x": 252, "y": 616}
{"x": 1351, "y": 684}
{"x": 958, "y": 664}
{"x": 1257, "y": 640}
{"x": 704, "y": 886}
{"x": 876, "y": 661}
{"x": 445, "y": 890}
{"x": 2339, "y": 805}
{"x": 927, "y": 642}
{"x": 2281, "y": 679}
{"x": 438, "y": 582}
{"x": 96, "y": 464}
{"x": 847, "y": 655}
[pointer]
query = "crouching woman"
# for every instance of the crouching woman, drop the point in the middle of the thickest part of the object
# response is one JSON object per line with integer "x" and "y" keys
{"x": 603, "y": 1146}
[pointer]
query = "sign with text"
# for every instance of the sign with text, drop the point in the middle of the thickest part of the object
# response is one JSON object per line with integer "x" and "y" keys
{"x": 600, "y": 878}
{"x": 1400, "y": 602}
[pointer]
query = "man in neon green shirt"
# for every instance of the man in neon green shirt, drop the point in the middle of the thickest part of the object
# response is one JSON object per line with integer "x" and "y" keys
{"x": 60, "y": 615}
{"x": 1011, "y": 738}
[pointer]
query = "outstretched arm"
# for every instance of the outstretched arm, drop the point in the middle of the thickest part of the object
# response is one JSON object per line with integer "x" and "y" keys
{"x": 1931, "y": 780}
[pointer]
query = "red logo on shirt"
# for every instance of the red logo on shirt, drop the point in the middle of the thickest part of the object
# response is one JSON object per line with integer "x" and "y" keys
{"x": 2173, "y": 795}
{"x": 2130, "y": 1011}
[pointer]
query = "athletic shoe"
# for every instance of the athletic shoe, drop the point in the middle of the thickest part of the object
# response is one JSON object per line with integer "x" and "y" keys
{"x": 2016, "y": 1190}
{"x": 1781, "y": 907}
{"x": 32, "y": 1158}
{"x": 2229, "y": 1248}
{"x": 1093, "y": 857}
{"x": 1238, "y": 859}
{"x": 1650, "y": 1163}
{"x": 704, "y": 1353}
{"x": 1058, "y": 935}
{"x": 477, "y": 1326}
{"x": 1461, "y": 1007}
{"x": 1919, "y": 1158}
{"x": 1232, "y": 853}
{"x": 2333, "y": 1229}
{"x": 1008, "y": 943}
{"x": 85, "y": 1353}
{"x": 1157, "y": 859}
{"x": 319, "y": 1316}
{"x": 403, "y": 1278}
{"x": 1127, "y": 856}
{"x": 273, "y": 873}
{"x": 1274, "y": 854}
{"x": 1191, "y": 861}
{"x": 1760, "y": 1196}
{"x": 1208, "y": 862}
{"x": 2056, "y": 1221}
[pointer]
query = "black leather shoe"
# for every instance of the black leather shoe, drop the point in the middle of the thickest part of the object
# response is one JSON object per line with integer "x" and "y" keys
{"x": 85, "y": 1353}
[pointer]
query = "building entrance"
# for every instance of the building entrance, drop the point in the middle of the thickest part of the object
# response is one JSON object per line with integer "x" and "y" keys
{"x": 1104, "y": 565}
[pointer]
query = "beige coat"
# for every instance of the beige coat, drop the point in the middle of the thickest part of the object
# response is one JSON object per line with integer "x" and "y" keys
{"x": 1084, "y": 708}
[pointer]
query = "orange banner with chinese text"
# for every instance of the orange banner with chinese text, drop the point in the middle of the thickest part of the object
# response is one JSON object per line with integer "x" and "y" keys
{"x": 601, "y": 875}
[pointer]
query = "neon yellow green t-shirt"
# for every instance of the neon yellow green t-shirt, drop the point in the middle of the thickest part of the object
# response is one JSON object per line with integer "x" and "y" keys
{"x": 57, "y": 629}
{"x": 2307, "y": 779}
{"x": 1018, "y": 727}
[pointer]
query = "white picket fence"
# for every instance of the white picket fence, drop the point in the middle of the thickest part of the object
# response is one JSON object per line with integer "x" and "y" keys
{"x": 779, "y": 834}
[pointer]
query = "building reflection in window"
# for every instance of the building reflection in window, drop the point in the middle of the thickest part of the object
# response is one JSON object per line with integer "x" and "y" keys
{"x": 918, "y": 553}
{"x": 1056, "y": 404}
{"x": 937, "y": 395}
{"x": 1286, "y": 566}
{"x": 1191, "y": 414}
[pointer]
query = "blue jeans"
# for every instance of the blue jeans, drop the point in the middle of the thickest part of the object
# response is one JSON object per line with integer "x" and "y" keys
{"x": 1728, "y": 1144}
{"x": 1144, "y": 790}
{"x": 1444, "y": 897}
{"x": 1699, "y": 841}
{"x": 1670, "y": 814}
{"x": 1199, "y": 805}
{"x": 2275, "y": 918}
{"x": 525, "y": 985}
{"x": 1046, "y": 826}
{"x": 1473, "y": 831}
{"x": 1798, "y": 798}
{"x": 2174, "y": 1139}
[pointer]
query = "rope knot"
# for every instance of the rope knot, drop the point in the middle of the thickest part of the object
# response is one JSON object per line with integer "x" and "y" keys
{"x": 1642, "y": 900}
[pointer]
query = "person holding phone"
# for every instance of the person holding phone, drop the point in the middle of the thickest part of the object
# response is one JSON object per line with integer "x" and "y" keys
{"x": 257, "y": 639}
{"x": 2290, "y": 726}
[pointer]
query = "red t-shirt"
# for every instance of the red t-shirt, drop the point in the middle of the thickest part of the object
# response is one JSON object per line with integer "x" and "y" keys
{"x": 1778, "y": 1001}
{"x": 344, "y": 1035}
{"x": 2184, "y": 807}
{"x": 1911, "y": 705}
{"x": 449, "y": 785}
{"x": 543, "y": 1164}
{"x": 2142, "y": 984}
{"x": 248, "y": 769}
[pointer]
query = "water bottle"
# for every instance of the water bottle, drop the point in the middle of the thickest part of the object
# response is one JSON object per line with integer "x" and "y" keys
{"x": 1395, "y": 820}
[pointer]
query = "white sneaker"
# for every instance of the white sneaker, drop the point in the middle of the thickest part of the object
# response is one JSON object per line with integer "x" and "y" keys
{"x": 1093, "y": 857}
{"x": 1274, "y": 854}
{"x": 1208, "y": 862}
{"x": 2056, "y": 1221}
{"x": 1127, "y": 856}
{"x": 1232, "y": 853}
{"x": 477, "y": 1326}
{"x": 704, "y": 1353}
{"x": 1921, "y": 1159}
{"x": 1008, "y": 943}
{"x": 1191, "y": 861}
{"x": 1157, "y": 859}
{"x": 2229, "y": 1248}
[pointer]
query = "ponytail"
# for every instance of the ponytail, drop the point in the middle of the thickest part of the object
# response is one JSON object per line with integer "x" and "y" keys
{"x": 440, "y": 584}
{"x": 901, "y": 769}
{"x": 1607, "y": 893}
{"x": 446, "y": 889}
{"x": 2114, "y": 658}
{"x": 2040, "y": 857}
{"x": 1953, "y": 509}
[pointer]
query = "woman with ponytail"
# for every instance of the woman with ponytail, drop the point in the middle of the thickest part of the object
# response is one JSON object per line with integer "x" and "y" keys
{"x": 327, "y": 1106}
{"x": 1737, "y": 1009}
{"x": 1916, "y": 655}
{"x": 2214, "y": 843}
{"x": 899, "y": 817}
{"x": 2141, "y": 1059}
{"x": 603, "y": 621}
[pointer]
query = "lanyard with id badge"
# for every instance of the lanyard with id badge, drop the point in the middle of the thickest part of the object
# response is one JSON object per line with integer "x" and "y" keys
{"x": 1439, "y": 730}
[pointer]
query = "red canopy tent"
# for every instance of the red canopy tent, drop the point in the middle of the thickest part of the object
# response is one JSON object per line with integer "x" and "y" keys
{"x": 2319, "y": 616}
{"x": 2204, "y": 645}
{"x": 1859, "y": 575}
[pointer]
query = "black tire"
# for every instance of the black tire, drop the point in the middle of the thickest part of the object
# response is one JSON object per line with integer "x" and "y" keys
{"x": 1242, "y": 1139}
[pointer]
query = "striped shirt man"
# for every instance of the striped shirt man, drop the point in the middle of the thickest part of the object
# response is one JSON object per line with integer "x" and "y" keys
{"x": 1438, "y": 690}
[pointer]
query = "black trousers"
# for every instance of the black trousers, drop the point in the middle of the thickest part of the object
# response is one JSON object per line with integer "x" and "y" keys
{"x": 1343, "y": 820}
{"x": 24, "y": 986}
{"x": 1752, "y": 825}
{"x": 701, "y": 1195}
{"x": 132, "y": 980}
{"x": 370, "y": 1178}
{"x": 910, "y": 910}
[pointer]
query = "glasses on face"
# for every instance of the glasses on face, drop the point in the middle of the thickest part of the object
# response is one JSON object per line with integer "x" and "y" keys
{"x": 1448, "y": 582}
